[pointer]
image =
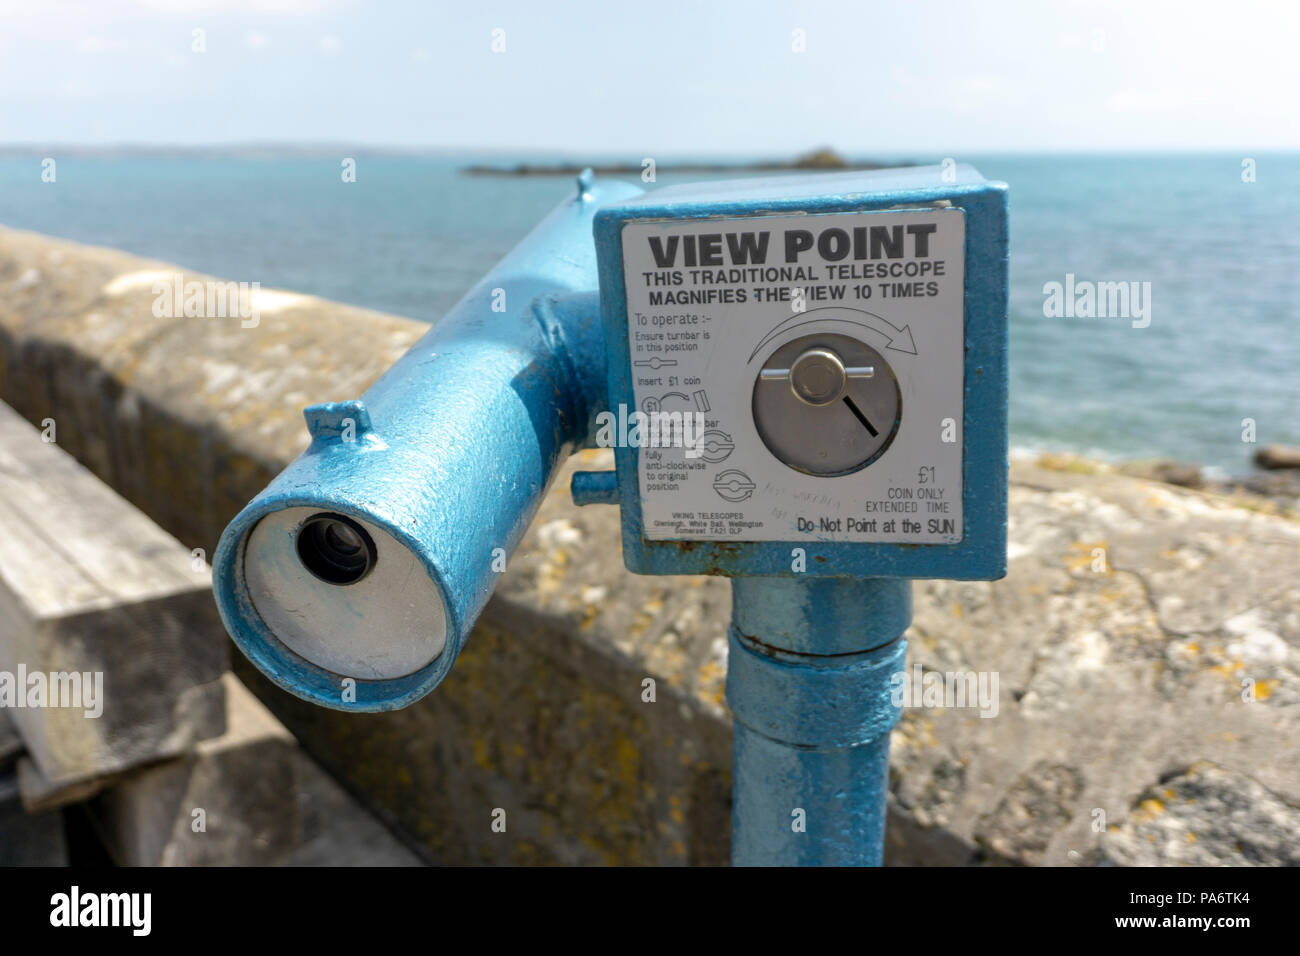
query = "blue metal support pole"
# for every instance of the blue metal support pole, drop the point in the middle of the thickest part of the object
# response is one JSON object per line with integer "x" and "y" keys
{"x": 809, "y": 684}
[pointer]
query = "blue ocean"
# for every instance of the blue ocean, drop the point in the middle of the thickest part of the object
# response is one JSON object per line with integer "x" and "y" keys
{"x": 1221, "y": 254}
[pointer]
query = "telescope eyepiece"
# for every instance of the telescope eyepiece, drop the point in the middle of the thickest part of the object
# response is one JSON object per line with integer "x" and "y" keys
{"x": 335, "y": 549}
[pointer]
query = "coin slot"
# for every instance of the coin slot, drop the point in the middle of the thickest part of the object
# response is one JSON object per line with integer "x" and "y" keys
{"x": 827, "y": 404}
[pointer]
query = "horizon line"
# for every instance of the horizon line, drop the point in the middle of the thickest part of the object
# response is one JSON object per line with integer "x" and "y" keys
{"x": 333, "y": 146}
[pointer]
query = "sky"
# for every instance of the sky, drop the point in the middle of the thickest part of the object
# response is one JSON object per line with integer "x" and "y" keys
{"x": 760, "y": 77}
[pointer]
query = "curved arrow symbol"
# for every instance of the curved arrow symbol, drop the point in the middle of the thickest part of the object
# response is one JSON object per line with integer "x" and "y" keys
{"x": 897, "y": 340}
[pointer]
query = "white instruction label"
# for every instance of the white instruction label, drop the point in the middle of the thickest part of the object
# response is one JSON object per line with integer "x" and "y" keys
{"x": 798, "y": 377}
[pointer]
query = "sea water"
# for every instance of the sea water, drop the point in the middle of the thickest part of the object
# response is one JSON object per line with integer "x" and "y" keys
{"x": 1213, "y": 239}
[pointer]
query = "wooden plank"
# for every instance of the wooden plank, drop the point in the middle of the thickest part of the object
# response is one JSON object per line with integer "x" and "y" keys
{"x": 110, "y": 647}
{"x": 251, "y": 797}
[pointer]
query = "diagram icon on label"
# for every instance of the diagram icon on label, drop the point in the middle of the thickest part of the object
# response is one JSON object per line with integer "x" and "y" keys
{"x": 716, "y": 446}
{"x": 733, "y": 485}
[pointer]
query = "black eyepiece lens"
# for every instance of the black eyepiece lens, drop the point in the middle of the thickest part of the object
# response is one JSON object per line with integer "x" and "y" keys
{"x": 335, "y": 548}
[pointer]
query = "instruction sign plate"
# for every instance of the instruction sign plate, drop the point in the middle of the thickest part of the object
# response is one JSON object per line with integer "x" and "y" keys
{"x": 709, "y": 303}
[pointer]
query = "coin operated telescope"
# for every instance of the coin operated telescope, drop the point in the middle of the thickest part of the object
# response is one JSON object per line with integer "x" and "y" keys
{"x": 839, "y": 339}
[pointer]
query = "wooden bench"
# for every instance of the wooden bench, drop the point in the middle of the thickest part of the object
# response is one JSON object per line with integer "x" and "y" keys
{"x": 111, "y": 651}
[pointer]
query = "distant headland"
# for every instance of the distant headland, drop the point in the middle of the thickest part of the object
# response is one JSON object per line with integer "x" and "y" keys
{"x": 819, "y": 160}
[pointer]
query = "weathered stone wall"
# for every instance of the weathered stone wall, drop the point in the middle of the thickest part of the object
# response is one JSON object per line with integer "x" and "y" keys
{"x": 180, "y": 416}
{"x": 1135, "y": 620}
